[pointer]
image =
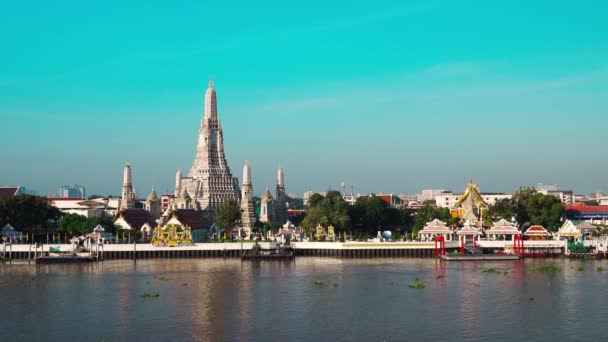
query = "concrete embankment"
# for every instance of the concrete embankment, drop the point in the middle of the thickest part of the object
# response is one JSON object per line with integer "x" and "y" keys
{"x": 320, "y": 249}
{"x": 225, "y": 250}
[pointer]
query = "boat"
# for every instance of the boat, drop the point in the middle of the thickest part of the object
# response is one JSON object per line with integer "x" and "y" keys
{"x": 278, "y": 253}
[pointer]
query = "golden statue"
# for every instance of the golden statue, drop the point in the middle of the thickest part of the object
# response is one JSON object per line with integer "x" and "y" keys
{"x": 172, "y": 238}
{"x": 320, "y": 233}
{"x": 331, "y": 235}
{"x": 187, "y": 236}
{"x": 157, "y": 237}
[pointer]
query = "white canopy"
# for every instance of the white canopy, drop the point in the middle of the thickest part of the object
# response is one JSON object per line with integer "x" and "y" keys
{"x": 503, "y": 227}
{"x": 568, "y": 229}
{"x": 468, "y": 229}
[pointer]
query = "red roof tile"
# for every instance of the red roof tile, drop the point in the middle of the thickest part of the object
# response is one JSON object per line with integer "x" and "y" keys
{"x": 584, "y": 208}
{"x": 191, "y": 218}
{"x": 136, "y": 218}
{"x": 8, "y": 191}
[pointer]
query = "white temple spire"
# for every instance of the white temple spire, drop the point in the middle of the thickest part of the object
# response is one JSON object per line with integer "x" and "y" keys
{"x": 178, "y": 182}
{"x": 280, "y": 179}
{"x": 210, "y": 102}
{"x": 247, "y": 173}
{"x": 128, "y": 196}
{"x": 126, "y": 177}
{"x": 247, "y": 205}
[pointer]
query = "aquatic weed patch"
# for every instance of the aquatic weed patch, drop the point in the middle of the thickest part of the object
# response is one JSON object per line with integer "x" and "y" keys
{"x": 489, "y": 270}
{"x": 321, "y": 283}
{"x": 599, "y": 269}
{"x": 546, "y": 268}
{"x": 147, "y": 295}
{"x": 417, "y": 284}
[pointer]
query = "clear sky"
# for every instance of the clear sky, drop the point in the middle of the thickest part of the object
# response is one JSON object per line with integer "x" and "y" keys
{"x": 391, "y": 96}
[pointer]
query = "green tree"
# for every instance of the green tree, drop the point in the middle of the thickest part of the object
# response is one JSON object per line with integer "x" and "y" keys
{"x": 504, "y": 208}
{"x": 228, "y": 215}
{"x": 29, "y": 214}
{"x": 529, "y": 207}
{"x": 370, "y": 214}
{"x": 544, "y": 210}
{"x": 425, "y": 214}
{"x": 328, "y": 210}
{"x": 429, "y": 212}
{"x": 75, "y": 225}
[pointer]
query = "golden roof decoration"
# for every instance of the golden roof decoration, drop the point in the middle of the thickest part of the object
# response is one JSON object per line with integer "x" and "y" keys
{"x": 471, "y": 191}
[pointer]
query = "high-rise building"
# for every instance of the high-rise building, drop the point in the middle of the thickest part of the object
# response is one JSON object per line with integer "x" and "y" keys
{"x": 72, "y": 191}
{"x": 209, "y": 181}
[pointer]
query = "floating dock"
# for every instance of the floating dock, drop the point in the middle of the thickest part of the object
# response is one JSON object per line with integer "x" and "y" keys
{"x": 62, "y": 259}
{"x": 481, "y": 257}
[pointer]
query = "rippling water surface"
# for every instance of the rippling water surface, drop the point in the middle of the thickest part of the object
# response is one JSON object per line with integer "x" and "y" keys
{"x": 311, "y": 299}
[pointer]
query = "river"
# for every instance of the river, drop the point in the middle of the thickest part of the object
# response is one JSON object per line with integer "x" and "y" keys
{"x": 311, "y": 299}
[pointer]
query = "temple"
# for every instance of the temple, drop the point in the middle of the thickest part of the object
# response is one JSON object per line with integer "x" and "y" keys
{"x": 274, "y": 209}
{"x": 209, "y": 182}
{"x": 470, "y": 205}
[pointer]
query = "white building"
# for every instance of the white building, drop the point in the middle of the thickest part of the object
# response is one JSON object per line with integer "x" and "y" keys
{"x": 98, "y": 207}
{"x": 429, "y": 195}
{"x": 449, "y": 199}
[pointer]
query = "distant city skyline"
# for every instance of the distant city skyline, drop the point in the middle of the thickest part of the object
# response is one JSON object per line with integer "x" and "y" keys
{"x": 396, "y": 98}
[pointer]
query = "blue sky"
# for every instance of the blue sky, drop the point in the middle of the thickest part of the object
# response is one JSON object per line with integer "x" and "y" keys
{"x": 391, "y": 96}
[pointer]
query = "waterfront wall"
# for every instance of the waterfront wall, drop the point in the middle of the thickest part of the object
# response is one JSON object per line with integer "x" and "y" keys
{"x": 235, "y": 249}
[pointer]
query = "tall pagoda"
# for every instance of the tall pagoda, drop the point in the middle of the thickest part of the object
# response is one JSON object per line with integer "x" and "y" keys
{"x": 209, "y": 182}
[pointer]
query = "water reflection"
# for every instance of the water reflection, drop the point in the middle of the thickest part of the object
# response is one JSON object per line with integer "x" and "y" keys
{"x": 368, "y": 299}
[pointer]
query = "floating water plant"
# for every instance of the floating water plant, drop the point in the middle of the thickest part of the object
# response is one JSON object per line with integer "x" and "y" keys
{"x": 546, "y": 268}
{"x": 321, "y": 282}
{"x": 147, "y": 295}
{"x": 599, "y": 269}
{"x": 580, "y": 268}
{"x": 439, "y": 276}
{"x": 489, "y": 270}
{"x": 417, "y": 284}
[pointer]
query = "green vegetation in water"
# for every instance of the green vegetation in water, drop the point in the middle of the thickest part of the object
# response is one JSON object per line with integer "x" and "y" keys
{"x": 440, "y": 276}
{"x": 163, "y": 278}
{"x": 185, "y": 284}
{"x": 505, "y": 272}
{"x": 489, "y": 270}
{"x": 147, "y": 295}
{"x": 580, "y": 268}
{"x": 321, "y": 282}
{"x": 546, "y": 268}
{"x": 599, "y": 269}
{"x": 417, "y": 284}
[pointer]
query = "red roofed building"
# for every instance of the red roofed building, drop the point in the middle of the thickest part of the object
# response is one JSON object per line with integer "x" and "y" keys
{"x": 9, "y": 191}
{"x": 191, "y": 218}
{"x": 582, "y": 212}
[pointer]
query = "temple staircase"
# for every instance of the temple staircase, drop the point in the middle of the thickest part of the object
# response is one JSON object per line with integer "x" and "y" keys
{"x": 473, "y": 249}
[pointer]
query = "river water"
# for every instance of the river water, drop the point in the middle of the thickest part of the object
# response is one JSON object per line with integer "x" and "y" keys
{"x": 311, "y": 299}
